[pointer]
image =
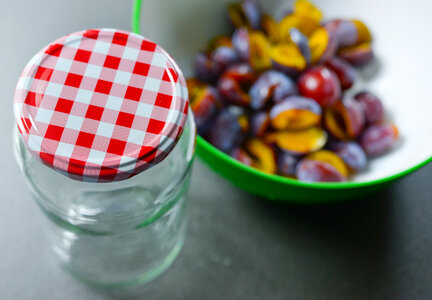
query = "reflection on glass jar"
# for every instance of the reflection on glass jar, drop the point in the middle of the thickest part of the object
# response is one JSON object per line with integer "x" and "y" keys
{"x": 107, "y": 231}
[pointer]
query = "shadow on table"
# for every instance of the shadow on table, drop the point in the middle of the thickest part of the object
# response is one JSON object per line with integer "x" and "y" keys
{"x": 336, "y": 249}
{"x": 353, "y": 240}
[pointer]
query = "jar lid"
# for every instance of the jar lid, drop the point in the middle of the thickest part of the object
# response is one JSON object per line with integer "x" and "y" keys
{"x": 101, "y": 105}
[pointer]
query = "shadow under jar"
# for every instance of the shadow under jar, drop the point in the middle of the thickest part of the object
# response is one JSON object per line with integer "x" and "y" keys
{"x": 110, "y": 167}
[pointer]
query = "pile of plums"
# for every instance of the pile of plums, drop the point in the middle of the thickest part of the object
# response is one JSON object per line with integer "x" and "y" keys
{"x": 272, "y": 95}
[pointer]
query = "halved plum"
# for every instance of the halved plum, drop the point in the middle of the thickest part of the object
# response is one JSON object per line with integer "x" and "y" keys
{"x": 317, "y": 171}
{"x": 323, "y": 45}
{"x": 358, "y": 55}
{"x": 363, "y": 33}
{"x": 344, "y": 30}
{"x": 223, "y": 57}
{"x": 302, "y": 43}
{"x": 299, "y": 142}
{"x": 307, "y": 9}
{"x": 352, "y": 154}
{"x": 259, "y": 123}
{"x": 345, "y": 119}
{"x": 262, "y": 154}
{"x": 305, "y": 24}
{"x": 226, "y": 132}
{"x": 204, "y": 102}
{"x": 349, "y": 32}
{"x": 237, "y": 16}
{"x": 242, "y": 156}
{"x": 287, "y": 58}
{"x": 209, "y": 66}
{"x": 241, "y": 72}
{"x": 344, "y": 71}
{"x": 259, "y": 51}
{"x": 330, "y": 158}
{"x": 271, "y": 85}
{"x": 219, "y": 41}
{"x": 294, "y": 113}
{"x": 253, "y": 13}
{"x": 247, "y": 13}
{"x": 270, "y": 28}
{"x": 234, "y": 84}
{"x": 287, "y": 164}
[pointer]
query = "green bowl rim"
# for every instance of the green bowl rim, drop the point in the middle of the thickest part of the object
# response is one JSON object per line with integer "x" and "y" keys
{"x": 206, "y": 146}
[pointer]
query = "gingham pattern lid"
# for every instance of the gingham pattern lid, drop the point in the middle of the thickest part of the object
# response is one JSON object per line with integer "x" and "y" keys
{"x": 101, "y": 105}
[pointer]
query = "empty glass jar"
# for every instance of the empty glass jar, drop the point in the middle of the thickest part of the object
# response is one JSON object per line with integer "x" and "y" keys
{"x": 117, "y": 217}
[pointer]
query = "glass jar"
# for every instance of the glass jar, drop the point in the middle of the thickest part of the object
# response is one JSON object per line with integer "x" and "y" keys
{"x": 123, "y": 232}
{"x": 115, "y": 233}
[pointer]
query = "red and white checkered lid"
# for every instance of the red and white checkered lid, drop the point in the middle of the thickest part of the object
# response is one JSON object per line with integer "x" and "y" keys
{"x": 101, "y": 105}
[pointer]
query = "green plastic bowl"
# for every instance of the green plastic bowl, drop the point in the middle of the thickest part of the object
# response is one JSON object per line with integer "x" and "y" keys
{"x": 182, "y": 27}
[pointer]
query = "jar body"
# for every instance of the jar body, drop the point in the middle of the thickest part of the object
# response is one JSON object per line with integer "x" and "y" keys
{"x": 116, "y": 233}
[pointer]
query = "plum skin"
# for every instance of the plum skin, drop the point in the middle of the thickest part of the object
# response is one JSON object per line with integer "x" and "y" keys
{"x": 352, "y": 154}
{"x": 378, "y": 139}
{"x": 343, "y": 70}
{"x": 372, "y": 105}
{"x": 317, "y": 171}
{"x": 226, "y": 132}
{"x": 320, "y": 84}
{"x": 271, "y": 85}
{"x": 287, "y": 163}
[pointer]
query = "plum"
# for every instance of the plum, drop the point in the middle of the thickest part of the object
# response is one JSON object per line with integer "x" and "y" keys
{"x": 332, "y": 159}
{"x": 349, "y": 32}
{"x": 226, "y": 132}
{"x": 253, "y": 13}
{"x": 344, "y": 71}
{"x": 270, "y": 28}
{"x": 345, "y": 119}
{"x": 294, "y": 113}
{"x": 259, "y": 122}
{"x": 300, "y": 141}
{"x": 287, "y": 163}
{"x": 321, "y": 84}
{"x": 303, "y": 23}
{"x": 245, "y": 14}
{"x": 223, "y": 57}
{"x": 232, "y": 92}
{"x": 205, "y": 69}
{"x": 317, "y": 171}
{"x": 287, "y": 58}
{"x": 219, "y": 41}
{"x": 344, "y": 30}
{"x": 237, "y": 16}
{"x": 352, "y": 154}
{"x": 204, "y": 102}
{"x": 307, "y": 9}
{"x": 242, "y": 156}
{"x": 379, "y": 138}
{"x": 271, "y": 85}
{"x": 240, "y": 42}
{"x": 372, "y": 105}
{"x": 358, "y": 55}
{"x": 323, "y": 45}
{"x": 263, "y": 155}
{"x": 234, "y": 84}
{"x": 259, "y": 51}
{"x": 363, "y": 33}
{"x": 302, "y": 43}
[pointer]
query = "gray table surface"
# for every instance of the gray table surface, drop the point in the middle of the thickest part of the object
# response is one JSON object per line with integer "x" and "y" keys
{"x": 238, "y": 246}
